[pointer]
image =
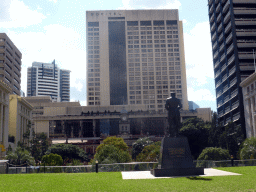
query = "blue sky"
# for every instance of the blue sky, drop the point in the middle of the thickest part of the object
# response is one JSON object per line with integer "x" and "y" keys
{"x": 45, "y": 30}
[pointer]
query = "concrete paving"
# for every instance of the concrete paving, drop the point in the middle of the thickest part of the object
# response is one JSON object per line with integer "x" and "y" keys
{"x": 147, "y": 174}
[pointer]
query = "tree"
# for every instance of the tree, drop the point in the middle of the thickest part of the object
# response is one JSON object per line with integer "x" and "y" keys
{"x": 68, "y": 151}
{"x": 150, "y": 153}
{"x": 111, "y": 154}
{"x": 116, "y": 141}
{"x": 197, "y": 132}
{"x": 214, "y": 154}
{"x": 52, "y": 159}
{"x": 231, "y": 138}
{"x": 20, "y": 156}
{"x": 112, "y": 150}
{"x": 248, "y": 148}
{"x": 39, "y": 145}
{"x": 214, "y": 132}
{"x": 139, "y": 145}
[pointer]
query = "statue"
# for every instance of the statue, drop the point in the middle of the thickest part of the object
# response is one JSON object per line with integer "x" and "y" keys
{"x": 173, "y": 106}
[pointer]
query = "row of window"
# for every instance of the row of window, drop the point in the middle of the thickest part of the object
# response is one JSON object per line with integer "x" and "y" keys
{"x": 150, "y": 28}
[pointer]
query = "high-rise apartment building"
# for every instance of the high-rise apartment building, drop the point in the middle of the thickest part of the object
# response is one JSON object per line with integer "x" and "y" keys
{"x": 135, "y": 57}
{"x": 10, "y": 63}
{"x": 233, "y": 33}
{"x": 46, "y": 79}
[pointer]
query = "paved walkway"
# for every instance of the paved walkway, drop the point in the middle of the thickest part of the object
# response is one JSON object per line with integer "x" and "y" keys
{"x": 147, "y": 174}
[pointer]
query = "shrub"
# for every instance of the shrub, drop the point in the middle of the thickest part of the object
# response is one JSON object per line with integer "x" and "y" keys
{"x": 248, "y": 149}
{"x": 212, "y": 153}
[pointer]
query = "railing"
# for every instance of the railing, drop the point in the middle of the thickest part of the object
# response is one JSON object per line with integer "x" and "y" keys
{"x": 228, "y": 27}
{"x": 119, "y": 167}
{"x": 213, "y": 26}
{"x": 218, "y": 8}
{"x": 212, "y": 17}
{"x": 227, "y": 109}
{"x": 231, "y": 71}
{"x": 215, "y": 55}
{"x": 226, "y": 6}
{"x": 217, "y": 73}
{"x": 235, "y": 105}
{"x": 222, "y": 57}
{"x": 233, "y": 82}
{"x": 231, "y": 47}
{"x": 218, "y": 83}
{"x": 236, "y": 116}
{"x": 231, "y": 59}
{"x": 222, "y": 46}
{"x": 226, "y": 99}
{"x": 225, "y": 88}
{"x": 223, "y": 67}
{"x": 234, "y": 93}
{"x": 220, "y": 103}
{"x": 224, "y": 78}
{"x": 220, "y": 114}
{"x": 214, "y": 46}
{"x": 211, "y": 9}
{"x": 213, "y": 36}
{"x": 216, "y": 64}
{"x": 220, "y": 37}
{"x": 229, "y": 38}
{"x": 227, "y": 17}
{"x": 219, "y": 27}
{"x": 218, "y": 18}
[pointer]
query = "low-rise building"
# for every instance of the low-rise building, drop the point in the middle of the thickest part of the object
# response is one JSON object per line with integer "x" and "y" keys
{"x": 5, "y": 90}
{"x": 20, "y": 116}
{"x": 249, "y": 95}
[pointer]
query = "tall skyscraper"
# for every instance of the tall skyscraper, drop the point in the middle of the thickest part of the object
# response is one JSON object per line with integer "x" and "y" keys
{"x": 233, "y": 33}
{"x": 10, "y": 63}
{"x": 135, "y": 57}
{"x": 46, "y": 79}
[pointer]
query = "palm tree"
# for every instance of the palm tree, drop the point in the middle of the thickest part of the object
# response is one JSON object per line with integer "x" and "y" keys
{"x": 20, "y": 156}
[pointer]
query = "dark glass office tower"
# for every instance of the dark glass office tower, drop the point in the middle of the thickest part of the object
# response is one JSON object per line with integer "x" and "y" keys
{"x": 233, "y": 34}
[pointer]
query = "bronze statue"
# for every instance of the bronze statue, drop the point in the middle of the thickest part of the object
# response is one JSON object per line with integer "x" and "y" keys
{"x": 173, "y": 106}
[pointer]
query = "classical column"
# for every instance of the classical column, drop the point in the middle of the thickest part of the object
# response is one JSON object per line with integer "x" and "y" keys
{"x": 94, "y": 127}
{"x": 1, "y": 123}
{"x": 252, "y": 115}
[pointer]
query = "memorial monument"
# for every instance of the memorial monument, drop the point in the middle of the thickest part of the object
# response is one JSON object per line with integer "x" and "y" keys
{"x": 175, "y": 157}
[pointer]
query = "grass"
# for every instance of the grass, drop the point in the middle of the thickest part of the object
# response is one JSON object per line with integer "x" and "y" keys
{"x": 113, "y": 182}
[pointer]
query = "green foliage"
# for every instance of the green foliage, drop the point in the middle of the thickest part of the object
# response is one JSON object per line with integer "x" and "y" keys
{"x": 139, "y": 145}
{"x": 214, "y": 153}
{"x": 231, "y": 138}
{"x": 39, "y": 145}
{"x": 68, "y": 151}
{"x": 111, "y": 154}
{"x": 150, "y": 153}
{"x": 112, "y": 150}
{"x": 52, "y": 159}
{"x": 197, "y": 132}
{"x": 20, "y": 156}
{"x": 248, "y": 148}
{"x": 116, "y": 141}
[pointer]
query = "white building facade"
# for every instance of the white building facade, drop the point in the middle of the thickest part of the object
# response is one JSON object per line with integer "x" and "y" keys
{"x": 47, "y": 79}
{"x": 249, "y": 94}
{"x": 135, "y": 57}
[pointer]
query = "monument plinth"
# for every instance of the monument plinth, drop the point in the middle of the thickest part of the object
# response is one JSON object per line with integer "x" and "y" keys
{"x": 175, "y": 156}
{"x": 176, "y": 159}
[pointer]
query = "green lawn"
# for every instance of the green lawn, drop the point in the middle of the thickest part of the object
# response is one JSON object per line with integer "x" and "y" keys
{"x": 113, "y": 182}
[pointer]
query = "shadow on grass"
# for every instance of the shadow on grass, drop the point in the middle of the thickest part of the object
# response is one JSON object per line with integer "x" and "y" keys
{"x": 199, "y": 178}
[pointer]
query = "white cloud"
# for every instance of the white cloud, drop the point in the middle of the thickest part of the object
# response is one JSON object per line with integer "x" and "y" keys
{"x": 83, "y": 103}
{"x": 200, "y": 95}
{"x": 55, "y": 1}
{"x": 198, "y": 53}
{"x": 15, "y": 13}
{"x": 151, "y": 4}
{"x": 56, "y": 42}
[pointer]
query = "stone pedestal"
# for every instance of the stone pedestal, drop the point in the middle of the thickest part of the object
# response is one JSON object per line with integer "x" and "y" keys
{"x": 176, "y": 159}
